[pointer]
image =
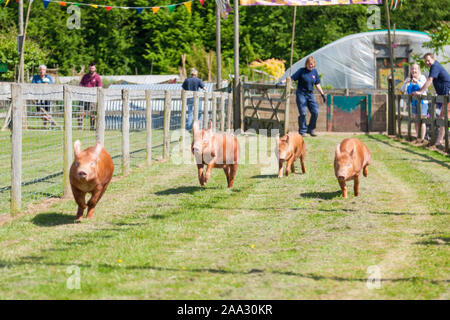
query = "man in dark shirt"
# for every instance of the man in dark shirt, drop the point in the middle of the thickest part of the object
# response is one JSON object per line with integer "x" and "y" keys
{"x": 441, "y": 82}
{"x": 90, "y": 80}
{"x": 193, "y": 83}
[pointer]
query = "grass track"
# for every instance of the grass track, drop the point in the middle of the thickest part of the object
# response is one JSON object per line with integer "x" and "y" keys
{"x": 267, "y": 238}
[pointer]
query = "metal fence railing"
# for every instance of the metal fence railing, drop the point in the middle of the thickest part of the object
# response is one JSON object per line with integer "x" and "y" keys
{"x": 41, "y": 122}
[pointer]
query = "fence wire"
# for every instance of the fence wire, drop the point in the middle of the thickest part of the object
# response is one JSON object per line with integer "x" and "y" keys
{"x": 43, "y": 134}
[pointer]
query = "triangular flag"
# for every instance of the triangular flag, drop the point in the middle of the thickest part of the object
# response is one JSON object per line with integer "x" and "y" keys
{"x": 94, "y": 6}
{"x": 62, "y": 3}
{"x": 7, "y": 1}
{"x": 108, "y": 8}
{"x": 46, "y": 3}
{"x": 201, "y": 1}
{"x": 155, "y": 9}
{"x": 188, "y": 6}
{"x": 172, "y": 8}
{"x": 76, "y": 4}
{"x": 139, "y": 10}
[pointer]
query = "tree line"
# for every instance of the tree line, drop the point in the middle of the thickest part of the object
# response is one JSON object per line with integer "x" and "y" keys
{"x": 126, "y": 42}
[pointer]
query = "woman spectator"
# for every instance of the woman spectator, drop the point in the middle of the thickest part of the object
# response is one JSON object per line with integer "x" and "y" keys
{"x": 413, "y": 83}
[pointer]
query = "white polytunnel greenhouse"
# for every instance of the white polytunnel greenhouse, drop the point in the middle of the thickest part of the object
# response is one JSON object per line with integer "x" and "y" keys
{"x": 361, "y": 61}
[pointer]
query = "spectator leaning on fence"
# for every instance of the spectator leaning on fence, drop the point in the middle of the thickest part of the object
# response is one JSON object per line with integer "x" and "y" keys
{"x": 43, "y": 106}
{"x": 441, "y": 82}
{"x": 193, "y": 83}
{"x": 90, "y": 80}
{"x": 413, "y": 83}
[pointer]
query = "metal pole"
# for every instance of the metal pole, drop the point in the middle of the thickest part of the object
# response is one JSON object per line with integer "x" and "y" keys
{"x": 292, "y": 40}
{"x": 391, "y": 111}
{"x": 20, "y": 73}
{"x": 218, "y": 50}
{"x": 236, "y": 88}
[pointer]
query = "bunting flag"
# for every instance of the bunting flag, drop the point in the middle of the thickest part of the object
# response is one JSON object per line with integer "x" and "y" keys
{"x": 171, "y": 7}
{"x": 395, "y": 4}
{"x": 306, "y": 2}
{"x": 224, "y": 8}
{"x": 188, "y": 6}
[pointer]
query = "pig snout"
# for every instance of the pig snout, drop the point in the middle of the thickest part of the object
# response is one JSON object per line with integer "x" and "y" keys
{"x": 82, "y": 174}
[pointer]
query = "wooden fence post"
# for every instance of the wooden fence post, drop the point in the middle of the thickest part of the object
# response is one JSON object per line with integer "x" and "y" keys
{"x": 195, "y": 111}
{"x": 214, "y": 110}
{"x": 183, "y": 117}
{"x": 409, "y": 116}
{"x": 166, "y": 138}
{"x": 433, "y": 121}
{"x": 205, "y": 110}
{"x": 222, "y": 112}
{"x": 419, "y": 118}
{"x": 288, "y": 101}
{"x": 125, "y": 132}
{"x": 17, "y": 107}
{"x": 101, "y": 116}
{"x": 67, "y": 158}
{"x": 241, "y": 103}
{"x": 445, "y": 106}
{"x": 229, "y": 112}
{"x": 148, "y": 120}
{"x": 399, "y": 116}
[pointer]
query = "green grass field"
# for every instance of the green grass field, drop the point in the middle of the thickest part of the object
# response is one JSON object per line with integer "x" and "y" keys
{"x": 157, "y": 234}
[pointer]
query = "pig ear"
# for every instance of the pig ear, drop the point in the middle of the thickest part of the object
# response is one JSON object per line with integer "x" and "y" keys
{"x": 338, "y": 150}
{"x": 98, "y": 149}
{"x": 353, "y": 151}
{"x": 77, "y": 148}
{"x": 287, "y": 137}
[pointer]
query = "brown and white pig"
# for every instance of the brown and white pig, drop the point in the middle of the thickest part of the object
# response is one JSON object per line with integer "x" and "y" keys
{"x": 351, "y": 157}
{"x": 214, "y": 151}
{"x": 91, "y": 172}
{"x": 290, "y": 148}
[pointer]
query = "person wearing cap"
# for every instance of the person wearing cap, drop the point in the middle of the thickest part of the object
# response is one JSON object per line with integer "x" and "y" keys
{"x": 43, "y": 105}
{"x": 90, "y": 80}
{"x": 193, "y": 83}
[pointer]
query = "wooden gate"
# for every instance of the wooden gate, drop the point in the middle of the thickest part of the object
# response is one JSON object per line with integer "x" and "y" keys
{"x": 265, "y": 106}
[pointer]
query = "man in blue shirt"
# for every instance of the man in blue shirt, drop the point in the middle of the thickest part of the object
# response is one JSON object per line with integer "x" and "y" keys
{"x": 193, "y": 83}
{"x": 441, "y": 82}
{"x": 43, "y": 105}
{"x": 307, "y": 78}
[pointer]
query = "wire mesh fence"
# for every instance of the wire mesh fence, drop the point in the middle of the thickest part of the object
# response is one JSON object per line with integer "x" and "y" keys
{"x": 44, "y": 130}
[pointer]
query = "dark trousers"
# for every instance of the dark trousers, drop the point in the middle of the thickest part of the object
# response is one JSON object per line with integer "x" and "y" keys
{"x": 306, "y": 100}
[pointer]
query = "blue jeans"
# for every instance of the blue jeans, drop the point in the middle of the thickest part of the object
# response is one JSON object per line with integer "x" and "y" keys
{"x": 306, "y": 100}
{"x": 190, "y": 116}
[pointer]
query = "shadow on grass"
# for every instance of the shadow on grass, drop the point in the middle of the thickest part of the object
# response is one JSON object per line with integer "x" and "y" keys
{"x": 181, "y": 190}
{"x": 317, "y": 277}
{"x": 439, "y": 239}
{"x": 53, "y": 219}
{"x": 321, "y": 195}
{"x": 265, "y": 176}
{"x": 407, "y": 148}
